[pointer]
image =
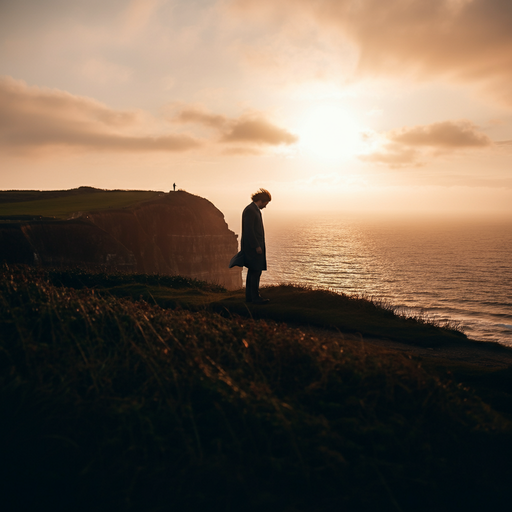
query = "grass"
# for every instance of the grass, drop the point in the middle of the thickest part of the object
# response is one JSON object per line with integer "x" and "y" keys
{"x": 110, "y": 402}
{"x": 327, "y": 309}
{"x": 64, "y": 206}
{"x": 294, "y": 304}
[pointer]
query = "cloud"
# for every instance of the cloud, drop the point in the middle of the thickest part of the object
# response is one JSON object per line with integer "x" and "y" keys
{"x": 101, "y": 71}
{"x": 32, "y": 118}
{"x": 258, "y": 131}
{"x": 138, "y": 15}
{"x": 242, "y": 151}
{"x": 413, "y": 146}
{"x": 464, "y": 40}
{"x": 444, "y": 135}
{"x": 249, "y": 128}
{"x": 198, "y": 116}
{"x": 395, "y": 156}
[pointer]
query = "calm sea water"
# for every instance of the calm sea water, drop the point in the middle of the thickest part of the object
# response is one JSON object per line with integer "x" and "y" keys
{"x": 448, "y": 270}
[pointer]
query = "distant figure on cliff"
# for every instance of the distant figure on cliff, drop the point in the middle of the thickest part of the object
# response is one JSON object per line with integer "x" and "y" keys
{"x": 174, "y": 187}
{"x": 253, "y": 253}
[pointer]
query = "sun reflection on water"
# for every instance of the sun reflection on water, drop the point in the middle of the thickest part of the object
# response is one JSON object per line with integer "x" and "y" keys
{"x": 450, "y": 271}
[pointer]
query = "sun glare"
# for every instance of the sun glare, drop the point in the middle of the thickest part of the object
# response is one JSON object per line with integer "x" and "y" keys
{"x": 330, "y": 133}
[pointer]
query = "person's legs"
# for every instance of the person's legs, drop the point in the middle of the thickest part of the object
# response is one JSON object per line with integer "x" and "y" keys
{"x": 248, "y": 283}
{"x": 252, "y": 285}
{"x": 256, "y": 285}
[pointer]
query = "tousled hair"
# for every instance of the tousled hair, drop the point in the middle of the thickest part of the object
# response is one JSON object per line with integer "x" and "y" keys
{"x": 261, "y": 194}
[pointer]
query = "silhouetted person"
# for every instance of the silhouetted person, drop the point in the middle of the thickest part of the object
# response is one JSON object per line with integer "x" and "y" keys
{"x": 174, "y": 187}
{"x": 253, "y": 245}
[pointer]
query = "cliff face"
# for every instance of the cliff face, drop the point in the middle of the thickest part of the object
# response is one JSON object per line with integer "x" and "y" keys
{"x": 178, "y": 233}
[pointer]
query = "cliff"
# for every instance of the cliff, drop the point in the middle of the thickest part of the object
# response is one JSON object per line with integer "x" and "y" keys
{"x": 176, "y": 233}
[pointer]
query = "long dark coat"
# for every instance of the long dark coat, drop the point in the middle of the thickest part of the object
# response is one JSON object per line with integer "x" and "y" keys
{"x": 253, "y": 236}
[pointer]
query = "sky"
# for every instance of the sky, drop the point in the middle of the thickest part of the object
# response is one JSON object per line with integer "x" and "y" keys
{"x": 360, "y": 106}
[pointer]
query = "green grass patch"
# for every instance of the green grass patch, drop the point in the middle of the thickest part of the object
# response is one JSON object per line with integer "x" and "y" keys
{"x": 113, "y": 403}
{"x": 64, "y": 206}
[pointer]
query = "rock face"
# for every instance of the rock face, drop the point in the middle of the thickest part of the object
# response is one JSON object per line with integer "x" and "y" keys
{"x": 177, "y": 234}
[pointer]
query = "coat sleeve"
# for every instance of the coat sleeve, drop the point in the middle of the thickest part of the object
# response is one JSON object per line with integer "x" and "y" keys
{"x": 238, "y": 260}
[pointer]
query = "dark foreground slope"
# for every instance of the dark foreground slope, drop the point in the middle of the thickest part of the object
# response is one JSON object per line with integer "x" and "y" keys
{"x": 176, "y": 233}
{"x": 113, "y": 404}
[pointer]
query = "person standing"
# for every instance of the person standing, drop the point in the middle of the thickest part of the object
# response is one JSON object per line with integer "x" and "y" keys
{"x": 253, "y": 245}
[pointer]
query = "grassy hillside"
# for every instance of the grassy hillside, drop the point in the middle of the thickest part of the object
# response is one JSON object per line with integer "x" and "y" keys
{"x": 62, "y": 204}
{"x": 292, "y": 304}
{"x": 109, "y": 402}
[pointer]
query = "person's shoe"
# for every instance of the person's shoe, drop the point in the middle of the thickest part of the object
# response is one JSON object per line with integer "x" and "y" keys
{"x": 261, "y": 301}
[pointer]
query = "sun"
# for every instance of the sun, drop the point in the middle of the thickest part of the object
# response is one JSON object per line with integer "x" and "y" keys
{"x": 330, "y": 132}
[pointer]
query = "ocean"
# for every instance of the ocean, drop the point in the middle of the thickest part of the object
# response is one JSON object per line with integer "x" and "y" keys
{"x": 446, "y": 270}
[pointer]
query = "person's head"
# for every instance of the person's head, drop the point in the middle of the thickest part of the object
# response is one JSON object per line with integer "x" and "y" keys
{"x": 261, "y": 198}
